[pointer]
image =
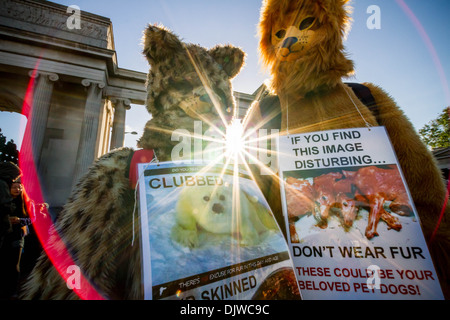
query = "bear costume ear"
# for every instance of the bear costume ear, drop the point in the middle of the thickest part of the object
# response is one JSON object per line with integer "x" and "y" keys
{"x": 160, "y": 43}
{"x": 229, "y": 57}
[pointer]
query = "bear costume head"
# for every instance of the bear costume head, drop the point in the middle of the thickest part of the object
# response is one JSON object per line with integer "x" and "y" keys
{"x": 186, "y": 82}
{"x": 301, "y": 42}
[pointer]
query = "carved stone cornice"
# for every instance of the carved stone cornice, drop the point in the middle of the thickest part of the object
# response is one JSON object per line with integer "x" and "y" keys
{"x": 54, "y": 16}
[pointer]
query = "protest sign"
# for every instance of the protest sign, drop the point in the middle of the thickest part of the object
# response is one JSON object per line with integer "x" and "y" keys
{"x": 208, "y": 234}
{"x": 353, "y": 230}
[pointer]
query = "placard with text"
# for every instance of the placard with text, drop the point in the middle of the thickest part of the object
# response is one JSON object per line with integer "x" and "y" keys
{"x": 353, "y": 230}
{"x": 208, "y": 234}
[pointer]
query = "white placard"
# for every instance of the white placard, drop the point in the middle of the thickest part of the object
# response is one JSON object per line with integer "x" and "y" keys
{"x": 208, "y": 234}
{"x": 353, "y": 230}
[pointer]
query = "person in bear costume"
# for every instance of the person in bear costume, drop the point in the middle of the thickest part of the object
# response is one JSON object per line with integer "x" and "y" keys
{"x": 96, "y": 229}
{"x": 301, "y": 44}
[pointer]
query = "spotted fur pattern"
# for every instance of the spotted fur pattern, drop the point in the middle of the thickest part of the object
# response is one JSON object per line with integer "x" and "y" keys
{"x": 96, "y": 229}
{"x": 98, "y": 223}
{"x": 181, "y": 79}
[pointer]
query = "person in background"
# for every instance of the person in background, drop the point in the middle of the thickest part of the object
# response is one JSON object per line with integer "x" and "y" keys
{"x": 33, "y": 247}
{"x": 9, "y": 173}
{"x": 11, "y": 251}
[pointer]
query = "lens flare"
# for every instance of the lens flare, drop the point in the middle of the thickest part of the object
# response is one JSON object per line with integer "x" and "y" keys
{"x": 429, "y": 45}
{"x": 53, "y": 245}
{"x": 233, "y": 146}
{"x": 234, "y": 139}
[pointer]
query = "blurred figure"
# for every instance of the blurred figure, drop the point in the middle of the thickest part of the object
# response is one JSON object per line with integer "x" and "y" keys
{"x": 9, "y": 173}
{"x": 33, "y": 247}
{"x": 21, "y": 217}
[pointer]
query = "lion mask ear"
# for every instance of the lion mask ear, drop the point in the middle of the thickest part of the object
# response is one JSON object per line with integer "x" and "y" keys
{"x": 229, "y": 57}
{"x": 160, "y": 43}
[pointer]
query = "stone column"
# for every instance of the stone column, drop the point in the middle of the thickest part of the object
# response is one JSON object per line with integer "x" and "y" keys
{"x": 105, "y": 129}
{"x": 118, "y": 130}
{"x": 36, "y": 108}
{"x": 89, "y": 129}
{"x": 39, "y": 104}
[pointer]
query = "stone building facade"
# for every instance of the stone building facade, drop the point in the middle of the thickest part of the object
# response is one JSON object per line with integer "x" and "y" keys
{"x": 67, "y": 82}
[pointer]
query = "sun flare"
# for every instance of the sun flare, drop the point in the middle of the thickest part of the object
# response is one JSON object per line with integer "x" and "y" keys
{"x": 234, "y": 138}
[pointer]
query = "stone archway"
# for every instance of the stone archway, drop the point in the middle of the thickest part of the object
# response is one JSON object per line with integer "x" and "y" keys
{"x": 11, "y": 108}
{"x": 78, "y": 91}
{"x": 10, "y": 101}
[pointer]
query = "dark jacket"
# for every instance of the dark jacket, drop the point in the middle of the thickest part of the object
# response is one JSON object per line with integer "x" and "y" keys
{"x": 8, "y": 173}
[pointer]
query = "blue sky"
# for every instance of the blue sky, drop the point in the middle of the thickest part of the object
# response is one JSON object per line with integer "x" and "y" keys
{"x": 410, "y": 63}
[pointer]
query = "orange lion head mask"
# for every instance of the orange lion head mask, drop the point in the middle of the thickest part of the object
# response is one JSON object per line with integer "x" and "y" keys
{"x": 301, "y": 42}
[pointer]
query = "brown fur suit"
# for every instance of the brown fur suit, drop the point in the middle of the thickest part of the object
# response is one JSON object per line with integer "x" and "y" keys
{"x": 301, "y": 42}
{"x": 96, "y": 224}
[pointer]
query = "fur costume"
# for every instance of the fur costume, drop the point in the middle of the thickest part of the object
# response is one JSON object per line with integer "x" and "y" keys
{"x": 186, "y": 82}
{"x": 301, "y": 43}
